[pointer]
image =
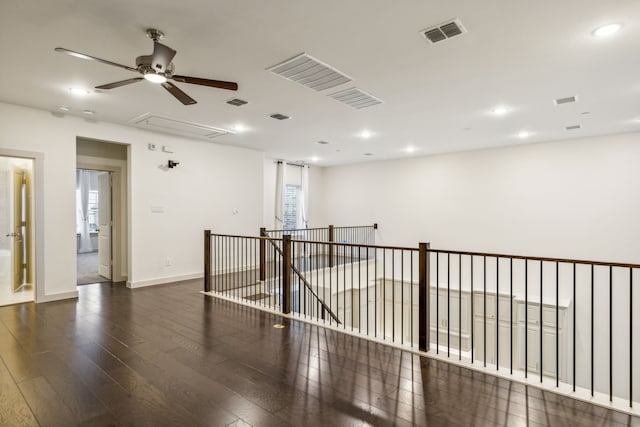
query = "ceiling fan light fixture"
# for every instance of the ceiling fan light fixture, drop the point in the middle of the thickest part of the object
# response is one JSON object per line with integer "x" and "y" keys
{"x": 155, "y": 78}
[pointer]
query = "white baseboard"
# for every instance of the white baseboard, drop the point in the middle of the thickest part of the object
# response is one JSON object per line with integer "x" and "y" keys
{"x": 163, "y": 280}
{"x": 58, "y": 296}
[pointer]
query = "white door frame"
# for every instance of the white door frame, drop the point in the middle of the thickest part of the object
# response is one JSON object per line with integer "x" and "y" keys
{"x": 38, "y": 210}
{"x": 118, "y": 273}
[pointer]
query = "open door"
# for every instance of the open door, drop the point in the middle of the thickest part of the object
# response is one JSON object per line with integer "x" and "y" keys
{"x": 104, "y": 225}
{"x": 19, "y": 258}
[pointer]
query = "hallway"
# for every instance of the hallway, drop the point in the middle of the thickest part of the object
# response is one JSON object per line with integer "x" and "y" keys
{"x": 167, "y": 355}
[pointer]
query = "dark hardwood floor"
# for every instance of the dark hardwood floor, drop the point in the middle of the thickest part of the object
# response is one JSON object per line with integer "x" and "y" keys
{"x": 167, "y": 355}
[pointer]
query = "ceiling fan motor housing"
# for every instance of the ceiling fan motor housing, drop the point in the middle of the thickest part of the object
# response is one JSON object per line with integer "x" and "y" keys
{"x": 144, "y": 66}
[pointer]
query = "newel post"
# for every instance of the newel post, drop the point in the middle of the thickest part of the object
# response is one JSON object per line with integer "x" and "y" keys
{"x": 207, "y": 260}
{"x": 286, "y": 273}
{"x": 330, "y": 246}
{"x": 423, "y": 297}
{"x": 263, "y": 233}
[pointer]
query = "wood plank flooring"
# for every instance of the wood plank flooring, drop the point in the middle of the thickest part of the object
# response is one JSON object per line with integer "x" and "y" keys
{"x": 169, "y": 356}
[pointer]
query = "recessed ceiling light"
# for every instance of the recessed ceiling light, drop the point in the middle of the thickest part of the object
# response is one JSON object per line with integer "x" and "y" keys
{"x": 239, "y": 127}
{"x": 78, "y": 91}
{"x": 89, "y": 112}
{"x": 365, "y": 134}
{"x": 63, "y": 108}
{"x": 155, "y": 78}
{"x": 523, "y": 134}
{"x": 606, "y": 30}
{"x": 500, "y": 111}
{"x": 314, "y": 159}
{"x": 410, "y": 149}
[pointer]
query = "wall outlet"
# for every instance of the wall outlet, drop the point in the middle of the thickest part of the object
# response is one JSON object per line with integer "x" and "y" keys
{"x": 152, "y": 146}
{"x": 168, "y": 262}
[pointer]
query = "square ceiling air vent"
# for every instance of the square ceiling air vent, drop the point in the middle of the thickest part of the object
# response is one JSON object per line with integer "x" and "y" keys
{"x": 356, "y": 98}
{"x": 572, "y": 127}
{"x": 164, "y": 124}
{"x": 310, "y": 72}
{"x": 237, "y": 102}
{"x": 279, "y": 116}
{"x": 567, "y": 100}
{"x": 444, "y": 31}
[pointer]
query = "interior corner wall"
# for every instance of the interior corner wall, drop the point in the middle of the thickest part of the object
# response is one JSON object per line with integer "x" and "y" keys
{"x": 293, "y": 177}
{"x": 215, "y": 186}
{"x": 575, "y": 199}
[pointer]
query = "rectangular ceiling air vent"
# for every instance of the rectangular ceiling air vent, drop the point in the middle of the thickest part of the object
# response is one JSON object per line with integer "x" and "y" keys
{"x": 237, "y": 102}
{"x": 308, "y": 71}
{"x": 356, "y": 98}
{"x": 572, "y": 127}
{"x": 279, "y": 116}
{"x": 443, "y": 31}
{"x": 567, "y": 100}
{"x": 164, "y": 124}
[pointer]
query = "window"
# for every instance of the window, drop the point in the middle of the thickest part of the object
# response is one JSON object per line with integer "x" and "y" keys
{"x": 92, "y": 212}
{"x": 290, "y": 220}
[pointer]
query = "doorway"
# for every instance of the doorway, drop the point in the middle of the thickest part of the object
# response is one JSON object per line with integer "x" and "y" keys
{"x": 94, "y": 226}
{"x": 17, "y": 254}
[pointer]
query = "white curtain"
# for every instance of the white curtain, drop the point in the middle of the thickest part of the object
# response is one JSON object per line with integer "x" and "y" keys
{"x": 281, "y": 182}
{"x": 303, "y": 199}
{"x": 84, "y": 184}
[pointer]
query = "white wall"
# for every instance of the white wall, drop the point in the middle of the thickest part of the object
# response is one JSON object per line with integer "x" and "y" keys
{"x": 574, "y": 198}
{"x": 211, "y": 181}
{"x": 293, "y": 177}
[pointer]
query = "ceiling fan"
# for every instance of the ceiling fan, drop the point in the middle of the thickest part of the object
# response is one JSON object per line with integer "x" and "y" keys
{"x": 156, "y": 68}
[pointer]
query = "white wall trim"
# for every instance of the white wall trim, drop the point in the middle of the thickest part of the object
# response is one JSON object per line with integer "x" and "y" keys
{"x": 58, "y": 296}
{"x": 163, "y": 280}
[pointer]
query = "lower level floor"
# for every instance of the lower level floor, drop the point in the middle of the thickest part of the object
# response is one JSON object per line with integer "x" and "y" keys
{"x": 168, "y": 355}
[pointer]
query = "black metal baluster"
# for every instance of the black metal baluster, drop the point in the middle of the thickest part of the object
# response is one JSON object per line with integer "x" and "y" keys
{"x": 557, "y": 321}
{"x": 472, "y": 311}
{"x": 401, "y": 296}
{"x": 526, "y": 318}
{"x": 592, "y": 330}
{"x": 393, "y": 295}
{"x": 511, "y": 316}
{"x": 359, "y": 291}
{"x": 630, "y": 337}
{"x": 448, "y": 304}
{"x": 484, "y": 301}
{"x": 411, "y": 302}
{"x": 540, "y": 321}
{"x": 574, "y": 327}
{"x": 611, "y": 335}
{"x": 367, "y": 281}
{"x": 497, "y": 312}
{"x": 384, "y": 294}
{"x": 375, "y": 292}
{"x": 437, "y": 302}
{"x": 351, "y": 288}
{"x": 460, "y": 307}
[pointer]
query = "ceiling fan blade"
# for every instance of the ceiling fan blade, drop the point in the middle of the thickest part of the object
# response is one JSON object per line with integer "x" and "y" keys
{"x": 92, "y": 58}
{"x": 162, "y": 56}
{"x": 206, "y": 82}
{"x": 120, "y": 83}
{"x": 179, "y": 94}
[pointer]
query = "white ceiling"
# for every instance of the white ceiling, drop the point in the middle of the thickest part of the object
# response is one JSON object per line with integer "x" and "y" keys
{"x": 437, "y": 98}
